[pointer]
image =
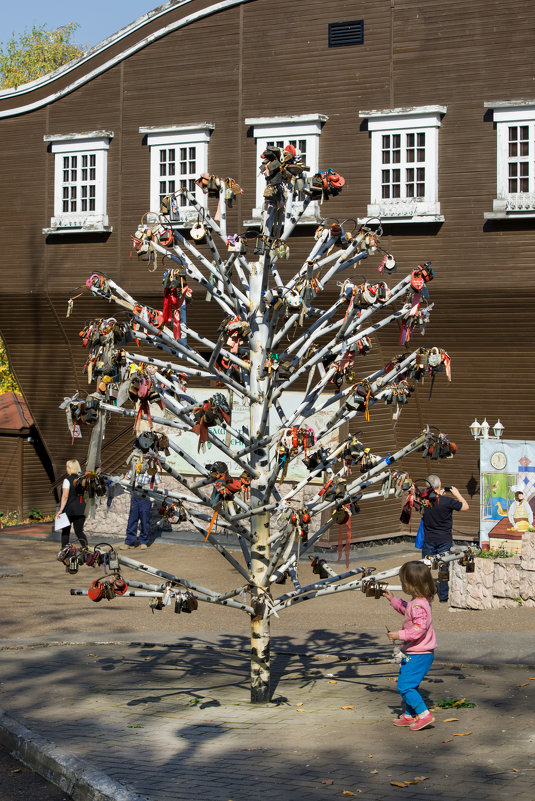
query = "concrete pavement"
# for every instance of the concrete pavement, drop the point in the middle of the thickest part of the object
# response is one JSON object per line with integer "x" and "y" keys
{"x": 164, "y": 715}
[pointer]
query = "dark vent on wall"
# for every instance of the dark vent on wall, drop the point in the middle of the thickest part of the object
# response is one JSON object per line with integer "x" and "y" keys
{"x": 342, "y": 34}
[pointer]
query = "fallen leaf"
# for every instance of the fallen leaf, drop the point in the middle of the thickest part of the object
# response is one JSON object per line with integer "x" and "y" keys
{"x": 95, "y": 655}
{"x": 300, "y": 710}
{"x": 148, "y": 658}
{"x": 348, "y": 792}
{"x": 327, "y": 781}
{"x": 332, "y": 681}
{"x": 370, "y": 756}
{"x": 448, "y": 741}
{"x": 524, "y": 685}
{"x": 459, "y": 702}
{"x": 16, "y": 770}
{"x": 409, "y": 782}
{"x": 449, "y": 720}
{"x": 347, "y": 707}
{"x": 399, "y": 784}
{"x": 300, "y": 703}
{"x": 532, "y": 678}
{"x": 420, "y": 778}
{"x": 374, "y": 771}
{"x": 462, "y": 734}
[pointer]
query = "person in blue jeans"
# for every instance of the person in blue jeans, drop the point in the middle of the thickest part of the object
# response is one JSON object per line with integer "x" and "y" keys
{"x": 140, "y": 511}
{"x": 438, "y": 524}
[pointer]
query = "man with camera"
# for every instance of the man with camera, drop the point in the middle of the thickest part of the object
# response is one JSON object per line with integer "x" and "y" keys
{"x": 438, "y": 524}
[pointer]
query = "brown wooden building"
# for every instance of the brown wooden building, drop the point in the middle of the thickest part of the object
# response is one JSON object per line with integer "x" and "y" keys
{"x": 428, "y": 110}
{"x": 25, "y": 471}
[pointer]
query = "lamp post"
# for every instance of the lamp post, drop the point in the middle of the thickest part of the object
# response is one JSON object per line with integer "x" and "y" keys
{"x": 481, "y": 432}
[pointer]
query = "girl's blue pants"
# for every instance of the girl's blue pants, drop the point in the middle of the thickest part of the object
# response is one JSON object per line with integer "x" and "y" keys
{"x": 413, "y": 669}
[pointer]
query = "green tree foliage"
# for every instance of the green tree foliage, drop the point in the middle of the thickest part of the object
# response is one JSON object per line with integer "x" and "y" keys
{"x": 7, "y": 379}
{"x": 37, "y": 52}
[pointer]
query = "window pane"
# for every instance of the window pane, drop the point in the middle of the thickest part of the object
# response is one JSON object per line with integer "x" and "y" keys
{"x": 410, "y": 140}
{"x": 93, "y": 160}
{"x": 513, "y": 133}
{"x": 386, "y": 156}
{"x": 386, "y": 141}
{"x": 513, "y": 149}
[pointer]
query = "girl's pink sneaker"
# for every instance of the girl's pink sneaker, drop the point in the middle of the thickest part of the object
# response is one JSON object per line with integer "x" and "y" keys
{"x": 421, "y": 723}
{"x": 404, "y": 720}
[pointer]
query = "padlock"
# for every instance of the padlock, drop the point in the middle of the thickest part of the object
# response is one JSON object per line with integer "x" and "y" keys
{"x": 113, "y": 560}
{"x": 443, "y": 571}
{"x": 72, "y": 565}
{"x": 119, "y": 585}
{"x": 198, "y": 231}
{"x": 96, "y": 591}
{"x": 390, "y": 264}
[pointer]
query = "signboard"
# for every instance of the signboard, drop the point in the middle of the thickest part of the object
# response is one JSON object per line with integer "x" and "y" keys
{"x": 289, "y": 402}
{"x": 507, "y": 491}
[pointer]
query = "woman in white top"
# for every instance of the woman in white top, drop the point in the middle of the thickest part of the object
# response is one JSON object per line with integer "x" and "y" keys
{"x": 73, "y": 504}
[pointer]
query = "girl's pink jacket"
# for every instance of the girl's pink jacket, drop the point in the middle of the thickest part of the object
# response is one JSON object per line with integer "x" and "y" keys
{"x": 417, "y": 634}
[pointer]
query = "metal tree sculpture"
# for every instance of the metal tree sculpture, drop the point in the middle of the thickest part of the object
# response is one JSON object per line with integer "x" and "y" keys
{"x": 261, "y": 311}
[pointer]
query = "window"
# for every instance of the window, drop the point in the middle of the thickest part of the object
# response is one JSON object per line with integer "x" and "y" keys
{"x": 80, "y": 182}
{"x": 515, "y": 163}
{"x": 404, "y": 163}
{"x": 178, "y": 155}
{"x": 303, "y": 132}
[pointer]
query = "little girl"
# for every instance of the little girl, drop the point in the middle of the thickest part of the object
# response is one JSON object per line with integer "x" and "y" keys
{"x": 418, "y": 641}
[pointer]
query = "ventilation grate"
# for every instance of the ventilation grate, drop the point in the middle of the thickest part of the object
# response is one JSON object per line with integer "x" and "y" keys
{"x": 342, "y": 34}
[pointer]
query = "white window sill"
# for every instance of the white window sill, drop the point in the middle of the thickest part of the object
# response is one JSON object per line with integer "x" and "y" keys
{"x": 416, "y": 218}
{"x": 405, "y": 211}
{"x": 79, "y": 225}
{"x": 509, "y": 215}
{"x": 517, "y": 207}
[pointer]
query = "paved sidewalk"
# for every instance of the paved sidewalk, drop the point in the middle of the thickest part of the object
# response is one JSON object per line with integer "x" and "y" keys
{"x": 114, "y": 703}
{"x": 172, "y": 721}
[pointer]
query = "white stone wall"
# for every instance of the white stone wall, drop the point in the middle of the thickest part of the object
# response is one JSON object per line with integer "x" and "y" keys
{"x": 496, "y": 583}
{"x": 112, "y": 519}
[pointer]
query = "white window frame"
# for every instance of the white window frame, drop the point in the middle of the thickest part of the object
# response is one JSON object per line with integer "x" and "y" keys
{"x": 176, "y": 137}
{"x": 268, "y": 129}
{"x": 506, "y": 204}
{"x": 403, "y": 121}
{"x": 92, "y": 143}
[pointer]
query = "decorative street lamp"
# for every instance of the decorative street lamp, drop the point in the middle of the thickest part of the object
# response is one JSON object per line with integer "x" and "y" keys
{"x": 481, "y": 430}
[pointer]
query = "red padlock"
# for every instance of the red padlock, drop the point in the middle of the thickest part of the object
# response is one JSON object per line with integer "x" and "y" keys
{"x": 96, "y": 591}
{"x": 119, "y": 585}
{"x": 417, "y": 280}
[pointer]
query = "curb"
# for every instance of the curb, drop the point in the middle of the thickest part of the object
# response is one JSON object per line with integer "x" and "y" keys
{"x": 59, "y": 767}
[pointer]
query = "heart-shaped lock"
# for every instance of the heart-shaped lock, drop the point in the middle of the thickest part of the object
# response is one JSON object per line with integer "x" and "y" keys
{"x": 96, "y": 591}
{"x": 417, "y": 280}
